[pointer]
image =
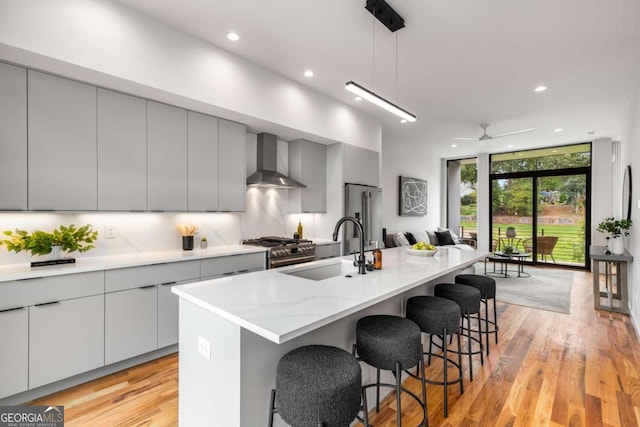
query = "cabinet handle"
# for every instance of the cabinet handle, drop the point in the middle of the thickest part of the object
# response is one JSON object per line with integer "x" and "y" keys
{"x": 168, "y": 283}
{"x": 243, "y": 271}
{"x": 11, "y": 309}
{"x": 43, "y": 210}
{"x": 48, "y": 303}
{"x": 11, "y": 209}
{"x": 147, "y": 287}
{"x": 229, "y": 273}
{"x": 28, "y": 278}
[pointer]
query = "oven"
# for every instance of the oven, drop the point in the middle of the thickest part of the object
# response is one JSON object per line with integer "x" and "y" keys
{"x": 284, "y": 251}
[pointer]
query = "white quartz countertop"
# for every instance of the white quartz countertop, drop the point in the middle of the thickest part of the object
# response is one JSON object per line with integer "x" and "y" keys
{"x": 86, "y": 264}
{"x": 281, "y": 307}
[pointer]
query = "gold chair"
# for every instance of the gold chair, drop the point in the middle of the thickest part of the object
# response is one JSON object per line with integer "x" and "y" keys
{"x": 545, "y": 244}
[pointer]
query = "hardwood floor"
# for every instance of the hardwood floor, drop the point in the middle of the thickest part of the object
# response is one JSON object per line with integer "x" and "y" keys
{"x": 549, "y": 369}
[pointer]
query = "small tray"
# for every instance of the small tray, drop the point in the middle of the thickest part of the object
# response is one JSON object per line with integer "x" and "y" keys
{"x": 53, "y": 262}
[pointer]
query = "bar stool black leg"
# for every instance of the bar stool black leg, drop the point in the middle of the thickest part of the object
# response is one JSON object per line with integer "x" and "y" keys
{"x": 495, "y": 319}
{"x": 378, "y": 390}
{"x": 272, "y": 407}
{"x": 398, "y": 375}
{"x": 460, "y": 363}
{"x": 486, "y": 323}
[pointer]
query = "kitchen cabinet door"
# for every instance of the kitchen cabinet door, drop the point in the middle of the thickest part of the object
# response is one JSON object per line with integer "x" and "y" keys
{"x": 361, "y": 166}
{"x": 13, "y": 138}
{"x": 122, "y": 152}
{"x": 62, "y": 144}
{"x": 166, "y": 157}
{"x": 131, "y": 323}
{"x": 203, "y": 162}
{"x": 232, "y": 166}
{"x": 308, "y": 165}
{"x": 14, "y": 357}
{"x": 66, "y": 338}
{"x": 168, "y": 314}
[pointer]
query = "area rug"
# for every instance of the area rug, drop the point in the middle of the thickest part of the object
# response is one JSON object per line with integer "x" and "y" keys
{"x": 546, "y": 289}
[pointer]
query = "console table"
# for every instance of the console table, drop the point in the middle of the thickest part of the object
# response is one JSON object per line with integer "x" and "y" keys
{"x": 615, "y": 296}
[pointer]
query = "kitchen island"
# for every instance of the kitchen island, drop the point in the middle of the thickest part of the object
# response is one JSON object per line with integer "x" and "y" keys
{"x": 234, "y": 330}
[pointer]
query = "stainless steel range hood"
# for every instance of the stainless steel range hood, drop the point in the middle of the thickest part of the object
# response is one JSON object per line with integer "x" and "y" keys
{"x": 267, "y": 175}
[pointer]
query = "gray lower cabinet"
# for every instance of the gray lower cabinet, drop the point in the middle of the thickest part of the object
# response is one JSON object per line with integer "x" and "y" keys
{"x": 66, "y": 338}
{"x": 14, "y": 357}
{"x": 62, "y": 131}
{"x": 13, "y": 138}
{"x": 168, "y": 314}
{"x": 203, "y": 162}
{"x": 233, "y": 264}
{"x": 330, "y": 250}
{"x": 232, "y": 172}
{"x": 166, "y": 157}
{"x": 122, "y": 152}
{"x": 131, "y": 323}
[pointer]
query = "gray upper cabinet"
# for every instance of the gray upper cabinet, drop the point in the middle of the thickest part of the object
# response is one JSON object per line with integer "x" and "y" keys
{"x": 122, "y": 152}
{"x": 232, "y": 166}
{"x": 166, "y": 157}
{"x": 13, "y": 138}
{"x": 361, "y": 166}
{"x": 62, "y": 144}
{"x": 203, "y": 162}
{"x": 308, "y": 165}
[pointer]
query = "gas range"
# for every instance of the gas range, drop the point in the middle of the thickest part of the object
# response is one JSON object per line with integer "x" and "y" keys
{"x": 285, "y": 251}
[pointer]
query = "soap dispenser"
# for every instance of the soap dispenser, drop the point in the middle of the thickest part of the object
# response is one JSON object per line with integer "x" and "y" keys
{"x": 377, "y": 258}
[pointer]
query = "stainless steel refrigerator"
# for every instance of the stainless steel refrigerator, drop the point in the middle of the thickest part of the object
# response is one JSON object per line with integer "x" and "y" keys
{"x": 365, "y": 204}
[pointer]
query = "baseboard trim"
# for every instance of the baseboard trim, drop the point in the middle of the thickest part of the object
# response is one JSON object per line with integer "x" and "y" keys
{"x": 36, "y": 393}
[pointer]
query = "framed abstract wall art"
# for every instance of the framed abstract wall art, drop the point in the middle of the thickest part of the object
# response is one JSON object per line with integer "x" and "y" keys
{"x": 413, "y": 196}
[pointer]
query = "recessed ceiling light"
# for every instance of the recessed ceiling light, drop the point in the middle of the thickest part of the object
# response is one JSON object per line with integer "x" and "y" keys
{"x": 403, "y": 121}
{"x": 510, "y": 146}
{"x": 234, "y": 37}
{"x": 358, "y": 98}
{"x": 308, "y": 73}
{"x": 454, "y": 145}
{"x": 540, "y": 89}
{"x": 557, "y": 130}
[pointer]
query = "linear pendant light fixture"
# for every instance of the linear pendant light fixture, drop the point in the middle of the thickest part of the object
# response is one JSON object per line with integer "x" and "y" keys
{"x": 374, "y": 98}
{"x": 382, "y": 11}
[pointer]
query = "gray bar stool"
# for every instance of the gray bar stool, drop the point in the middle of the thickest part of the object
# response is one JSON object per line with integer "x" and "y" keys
{"x": 468, "y": 298}
{"x": 440, "y": 317}
{"x": 394, "y": 344}
{"x": 487, "y": 287}
{"x": 317, "y": 385}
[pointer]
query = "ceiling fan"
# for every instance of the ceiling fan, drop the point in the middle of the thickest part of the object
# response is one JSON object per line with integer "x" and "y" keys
{"x": 485, "y": 136}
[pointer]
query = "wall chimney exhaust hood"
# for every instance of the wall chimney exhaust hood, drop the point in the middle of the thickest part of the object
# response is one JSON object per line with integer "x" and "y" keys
{"x": 266, "y": 175}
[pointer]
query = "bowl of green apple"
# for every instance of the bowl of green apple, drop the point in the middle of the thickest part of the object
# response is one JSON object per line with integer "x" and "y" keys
{"x": 422, "y": 249}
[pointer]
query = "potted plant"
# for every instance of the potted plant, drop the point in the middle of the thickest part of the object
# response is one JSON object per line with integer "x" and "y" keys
{"x": 187, "y": 231}
{"x": 203, "y": 243}
{"x": 62, "y": 239}
{"x": 617, "y": 229}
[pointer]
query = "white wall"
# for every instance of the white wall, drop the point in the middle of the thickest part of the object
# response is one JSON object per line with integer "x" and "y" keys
{"x": 412, "y": 158}
{"x": 105, "y": 43}
{"x": 630, "y": 154}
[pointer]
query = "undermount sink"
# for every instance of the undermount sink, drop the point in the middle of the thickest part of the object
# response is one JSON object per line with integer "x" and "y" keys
{"x": 322, "y": 272}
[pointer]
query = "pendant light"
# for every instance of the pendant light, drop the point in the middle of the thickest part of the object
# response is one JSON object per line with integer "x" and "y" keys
{"x": 390, "y": 18}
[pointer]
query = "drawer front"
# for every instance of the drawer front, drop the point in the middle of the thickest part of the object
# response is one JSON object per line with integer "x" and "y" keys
{"x": 233, "y": 264}
{"x": 156, "y": 274}
{"x": 24, "y": 293}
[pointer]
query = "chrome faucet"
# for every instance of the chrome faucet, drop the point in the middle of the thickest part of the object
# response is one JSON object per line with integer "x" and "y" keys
{"x": 361, "y": 261}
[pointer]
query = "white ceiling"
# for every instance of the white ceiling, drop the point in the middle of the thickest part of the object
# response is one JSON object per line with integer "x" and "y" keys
{"x": 459, "y": 62}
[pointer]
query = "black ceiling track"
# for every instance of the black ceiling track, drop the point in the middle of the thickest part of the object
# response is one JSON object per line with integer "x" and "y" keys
{"x": 385, "y": 14}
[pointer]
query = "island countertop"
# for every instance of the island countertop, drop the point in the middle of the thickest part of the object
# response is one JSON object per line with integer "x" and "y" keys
{"x": 280, "y": 306}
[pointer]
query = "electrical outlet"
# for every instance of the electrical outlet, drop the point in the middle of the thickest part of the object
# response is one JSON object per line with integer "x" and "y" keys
{"x": 109, "y": 231}
{"x": 204, "y": 348}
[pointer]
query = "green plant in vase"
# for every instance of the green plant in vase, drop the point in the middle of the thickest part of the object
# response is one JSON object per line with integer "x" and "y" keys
{"x": 616, "y": 230}
{"x": 69, "y": 239}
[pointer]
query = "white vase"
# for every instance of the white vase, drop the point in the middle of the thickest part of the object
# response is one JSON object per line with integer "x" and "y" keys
{"x": 616, "y": 245}
{"x": 56, "y": 253}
